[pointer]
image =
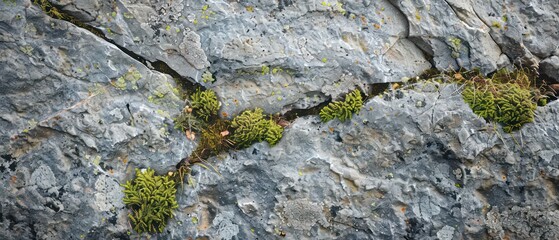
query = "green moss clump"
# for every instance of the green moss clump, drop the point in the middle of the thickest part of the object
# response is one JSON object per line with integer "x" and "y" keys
{"x": 249, "y": 127}
{"x": 506, "y": 98}
{"x": 514, "y": 107}
{"x": 151, "y": 199}
{"x": 252, "y": 126}
{"x": 274, "y": 132}
{"x": 354, "y": 100}
{"x": 343, "y": 110}
{"x": 204, "y": 103}
{"x": 482, "y": 102}
{"x": 340, "y": 110}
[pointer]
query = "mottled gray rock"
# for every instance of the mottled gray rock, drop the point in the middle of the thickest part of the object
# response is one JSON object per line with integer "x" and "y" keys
{"x": 394, "y": 171}
{"x": 526, "y": 31}
{"x": 550, "y": 67}
{"x": 149, "y": 31}
{"x": 453, "y": 33}
{"x": 78, "y": 114}
{"x": 273, "y": 55}
{"x": 525, "y": 223}
{"x": 282, "y": 55}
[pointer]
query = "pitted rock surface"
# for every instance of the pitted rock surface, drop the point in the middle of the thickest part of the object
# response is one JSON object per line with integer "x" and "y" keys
{"x": 79, "y": 111}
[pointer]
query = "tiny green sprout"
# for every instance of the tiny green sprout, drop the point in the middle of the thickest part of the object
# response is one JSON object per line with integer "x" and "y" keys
{"x": 417, "y": 16}
{"x": 324, "y": 60}
{"x": 265, "y": 70}
{"x": 340, "y": 8}
{"x": 456, "y": 43}
{"x": 496, "y": 24}
{"x": 505, "y": 18}
{"x": 128, "y": 15}
{"x": 542, "y": 102}
{"x": 207, "y": 77}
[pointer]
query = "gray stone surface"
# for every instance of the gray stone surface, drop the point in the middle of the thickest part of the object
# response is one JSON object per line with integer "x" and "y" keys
{"x": 453, "y": 34}
{"x": 272, "y": 55}
{"x": 438, "y": 171}
{"x": 550, "y": 68}
{"x": 526, "y": 31}
{"x": 78, "y": 115}
{"x": 75, "y": 120}
{"x": 281, "y": 55}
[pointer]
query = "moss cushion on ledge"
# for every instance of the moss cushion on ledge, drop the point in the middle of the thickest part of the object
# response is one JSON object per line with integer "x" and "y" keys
{"x": 343, "y": 110}
{"x": 252, "y": 126}
{"x": 506, "y": 98}
{"x": 205, "y": 103}
{"x": 151, "y": 199}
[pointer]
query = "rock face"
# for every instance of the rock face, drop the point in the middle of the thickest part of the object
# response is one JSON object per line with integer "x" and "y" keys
{"x": 79, "y": 112}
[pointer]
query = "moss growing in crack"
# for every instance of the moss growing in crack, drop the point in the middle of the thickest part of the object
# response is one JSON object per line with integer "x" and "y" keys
{"x": 343, "y": 110}
{"x": 249, "y": 127}
{"x": 514, "y": 107}
{"x": 274, "y": 132}
{"x": 506, "y": 98}
{"x": 252, "y": 126}
{"x": 204, "y": 103}
{"x": 186, "y": 121}
{"x": 52, "y": 11}
{"x": 482, "y": 102}
{"x": 265, "y": 70}
{"x": 151, "y": 199}
{"x": 214, "y": 139}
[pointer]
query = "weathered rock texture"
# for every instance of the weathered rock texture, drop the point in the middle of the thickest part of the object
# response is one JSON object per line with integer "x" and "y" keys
{"x": 79, "y": 112}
